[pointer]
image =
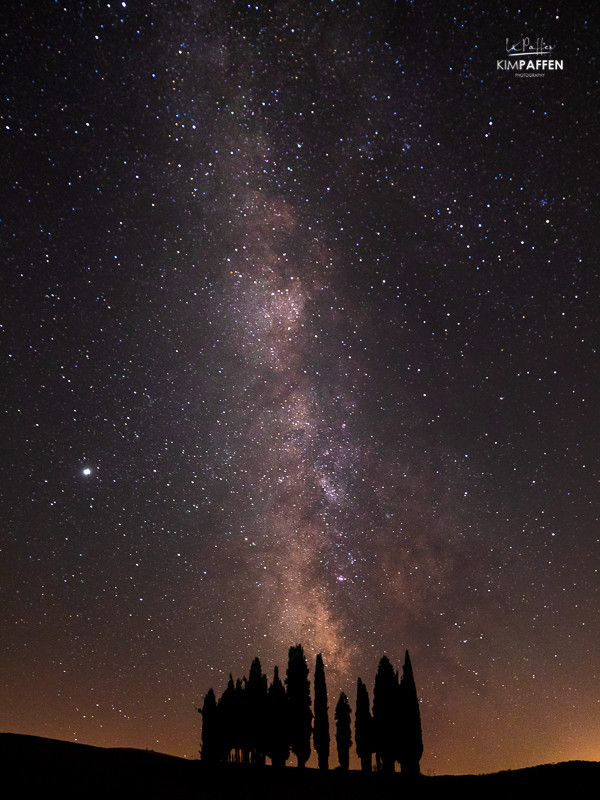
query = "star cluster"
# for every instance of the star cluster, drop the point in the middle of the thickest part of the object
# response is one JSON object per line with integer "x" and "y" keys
{"x": 299, "y": 341}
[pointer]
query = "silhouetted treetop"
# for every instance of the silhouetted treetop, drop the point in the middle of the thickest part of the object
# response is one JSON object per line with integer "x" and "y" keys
{"x": 363, "y": 727}
{"x": 385, "y": 715}
{"x": 210, "y": 729}
{"x": 300, "y": 714}
{"x": 321, "y": 724}
{"x": 343, "y": 734}
{"x": 411, "y": 739}
{"x": 277, "y": 739}
{"x": 257, "y": 712}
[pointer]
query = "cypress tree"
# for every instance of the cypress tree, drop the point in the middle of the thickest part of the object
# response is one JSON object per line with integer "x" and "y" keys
{"x": 257, "y": 708}
{"x": 343, "y": 735}
{"x": 321, "y": 725}
{"x": 242, "y": 720}
{"x": 226, "y": 709}
{"x": 298, "y": 694}
{"x": 277, "y": 737}
{"x": 209, "y": 752}
{"x": 384, "y": 715}
{"x": 411, "y": 738}
{"x": 363, "y": 727}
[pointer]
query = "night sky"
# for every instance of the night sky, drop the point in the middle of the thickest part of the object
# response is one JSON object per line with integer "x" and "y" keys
{"x": 299, "y": 344}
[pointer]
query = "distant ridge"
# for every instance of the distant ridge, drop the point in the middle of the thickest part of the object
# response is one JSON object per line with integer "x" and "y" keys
{"x": 37, "y": 766}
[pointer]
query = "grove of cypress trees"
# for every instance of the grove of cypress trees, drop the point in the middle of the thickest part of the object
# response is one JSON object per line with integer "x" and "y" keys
{"x": 252, "y": 720}
{"x": 363, "y": 727}
{"x": 343, "y": 734}
{"x": 321, "y": 724}
{"x": 298, "y": 694}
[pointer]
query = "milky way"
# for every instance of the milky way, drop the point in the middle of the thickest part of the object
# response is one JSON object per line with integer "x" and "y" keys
{"x": 300, "y": 342}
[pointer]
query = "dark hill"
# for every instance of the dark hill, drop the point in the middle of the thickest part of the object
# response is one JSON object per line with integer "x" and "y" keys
{"x": 36, "y": 767}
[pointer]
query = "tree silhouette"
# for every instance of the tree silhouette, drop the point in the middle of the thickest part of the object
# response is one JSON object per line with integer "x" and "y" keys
{"x": 210, "y": 729}
{"x": 411, "y": 739}
{"x": 241, "y": 730}
{"x": 277, "y": 737}
{"x": 321, "y": 725}
{"x": 257, "y": 709}
{"x": 363, "y": 727}
{"x": 298, "y": 693}
{"x": 343, "y": 735}
{"x": 384, "y": 715}
{"x": 226, "y": 710}
{"x": 252, "y": 720}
